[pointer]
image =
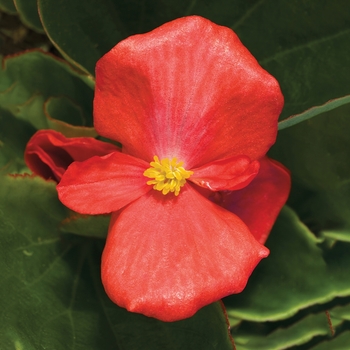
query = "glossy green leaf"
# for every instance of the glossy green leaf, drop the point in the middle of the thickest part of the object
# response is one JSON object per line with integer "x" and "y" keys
{"x": 307, "y": 328}
{"x": 51, "y": 296}
{"x": 66, "y": 116}
{"x": 82, "y": 32}
{"x": 283, "y": 338}
{"x": 207, "y": 329}
{"x": 317, "y": 153}
{"x": 28, "y": 13}
{"x": 318, "y": 158}
{"x": 86, "y": 225}
{"x": 94, "y": 27}
{"x": 340, "y": 342}
{"x": 341, "y": 312}
{"x": 304, "y": 44}
{"x": 8, "y": 6}
{"x": 30, "y": 83}
{"x": 47, "y": 300}
{"x": 296, "y": 275}
{"x": 312, "y": 112}
{"x": 14, "y": 134}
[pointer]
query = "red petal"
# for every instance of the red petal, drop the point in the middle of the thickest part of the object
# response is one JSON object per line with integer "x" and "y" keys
{"x": 166, "y": 256}
{"x": 259, "y": 204}
{"x": 228, "y": 174}
{"x": 49, "y": 153}
{"x": 188, "y": 89}
{"x": 103, "y": 185}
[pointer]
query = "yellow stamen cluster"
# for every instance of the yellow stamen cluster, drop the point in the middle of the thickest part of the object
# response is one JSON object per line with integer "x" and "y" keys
{"x": 168, "y": 175}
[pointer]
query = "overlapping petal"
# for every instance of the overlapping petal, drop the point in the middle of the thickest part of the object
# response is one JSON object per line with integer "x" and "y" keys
{"x": 188, "y": 89}
{"x": 259, "y": 204}
{"x": 227, "y": 174}
{"x": 102, "y": 185}
{"x": 167, "y": 257}
{"x": 49, "y": 153}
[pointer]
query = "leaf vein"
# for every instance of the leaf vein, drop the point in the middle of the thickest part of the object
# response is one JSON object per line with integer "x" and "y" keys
{"x": 303, "y": 46}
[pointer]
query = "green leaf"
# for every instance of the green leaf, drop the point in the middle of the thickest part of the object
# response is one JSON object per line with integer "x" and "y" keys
{"x": 312, "y": 112}
{"x": 341, "y": 312}
{"x": 296, "y": 275}
{"x": 86, "y": 225}
{"x": 66, "y": 116}
{"x": 340, "y": 342}
{"x": 317, "y": 153}
{"x": 8, "y": 6}
{"x": 14, "y": 135}
{"x": 47, "y": 300}
{"x": 207, "y": 329}
{"x": 28, "y": 13}
{"x": 323, "y": 144}
{"x": 303, "y": 44}
{"x": 82, "y": 32}
{"x": 94, "y": 27}
{"x": 51, "y": 296}
{"x": 285, "y": 337}
{"x": 30, "y": 81}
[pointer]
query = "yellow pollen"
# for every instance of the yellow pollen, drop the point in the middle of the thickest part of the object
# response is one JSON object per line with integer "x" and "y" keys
{"x": 167, "y": 175}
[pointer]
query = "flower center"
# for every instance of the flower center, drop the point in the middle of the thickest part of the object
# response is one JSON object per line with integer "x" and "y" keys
{"x": 168, "y": 175}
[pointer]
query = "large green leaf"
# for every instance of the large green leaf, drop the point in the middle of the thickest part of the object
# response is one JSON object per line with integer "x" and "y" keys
{"x": 317, "y": 153}
{"x": 8, "y": 6}
{"x": 28, "y": 12}
{"x": 339, "y": 343}
{"x": 51, "y": 296}
{"x": 82, "y": 32}
{"x": 33, "y": 82}
{"x": 86, "y": 225}
{"x": 296, "y": 275}
{"x": 285, "y": 337}
{"x": 311, "y": 328}
{"x": 14, "y": 134}
{"x": 304, "y": 44}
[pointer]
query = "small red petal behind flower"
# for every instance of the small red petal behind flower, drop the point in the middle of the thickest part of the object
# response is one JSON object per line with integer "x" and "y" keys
{"x": 49, "y": 153}
{"x": 188, "y": 89}
{"x": 259, "y": 204}
{"x": 166, "y": 257}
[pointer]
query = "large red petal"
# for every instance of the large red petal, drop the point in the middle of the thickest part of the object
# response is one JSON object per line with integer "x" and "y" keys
{"x": 49, "y": 153}
{"x": 103, "y": 185}
{"x": 188, "y": 89}
{"x": 227, "y": 174}
{"x": 259, "y": 204}
{"x": 166, "y": 256}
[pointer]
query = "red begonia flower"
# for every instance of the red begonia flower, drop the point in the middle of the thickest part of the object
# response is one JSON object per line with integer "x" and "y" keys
{"x": 191, "y": 107}
{"x": 49, "y": 153}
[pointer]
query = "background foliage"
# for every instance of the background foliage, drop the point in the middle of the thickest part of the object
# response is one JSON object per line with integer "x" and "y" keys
{"x": 50, "y": 291}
